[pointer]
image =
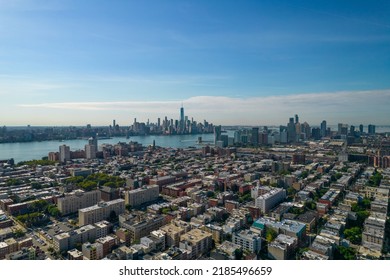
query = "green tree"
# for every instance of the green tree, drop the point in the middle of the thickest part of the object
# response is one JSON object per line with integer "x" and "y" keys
{"x": 238, "y": 254}
{"x": 39, "y": 205}
{"x": 36, "y": 185}
{"x": 53, "y": 211}
{"x": 375, "y": 180}
{"x": 304, "y": 174}
{"x": 36, "y": 162}
{"x": 297, "y": 211}
{"x": 343, "y": 253}
{"x": 310, "y": 205}
{"x": 14, "y": 182}
{"x": 166, "y": 211}
{"x": 354, "y": 235}
{"x": 270, "y": 235}
{"x": 19, "y": 233}
{"x": 366, "y": 203}
{"x": 210, "y": 194}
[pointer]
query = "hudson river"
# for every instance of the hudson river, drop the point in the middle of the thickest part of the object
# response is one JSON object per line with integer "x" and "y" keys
{"x": 37, "y": 150}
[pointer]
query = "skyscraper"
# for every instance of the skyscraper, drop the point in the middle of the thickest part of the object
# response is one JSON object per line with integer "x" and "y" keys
{"x": 255, "y": 136}
{"x": 296, "y": 118}
{"x": 93, "y": 141}
{"x": 342, "y": 129}
{"x": 361, "y": 128}
{"x": 217, "y": 134}
{"x": 90, "y": 151}
{"x": 291, "y": 132}
{"x": 323, "y": 128}
{"x": 182, "y": 122}
{"x": 64, "y": 153}
{"x": 371, "y": 129}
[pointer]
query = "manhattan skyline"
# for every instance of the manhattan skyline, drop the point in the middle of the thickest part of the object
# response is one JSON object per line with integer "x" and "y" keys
{"x": 70, "y": 63}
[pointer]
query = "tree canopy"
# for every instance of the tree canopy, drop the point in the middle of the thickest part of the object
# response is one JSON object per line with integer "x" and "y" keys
{"x": 92, "y": 181}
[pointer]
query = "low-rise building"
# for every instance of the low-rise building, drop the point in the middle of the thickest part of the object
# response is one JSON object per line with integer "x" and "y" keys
{"x": 92, "y": 251}
{"x": 75, "y": 254}
{"x": 197, "y": 242}
{"x": 248, "y": 240}
{"x": 283, "y": 247}
{"x": 142, "y": 227}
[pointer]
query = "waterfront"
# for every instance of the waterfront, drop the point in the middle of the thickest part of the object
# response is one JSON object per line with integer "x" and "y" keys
{"x": 37, "y": 150}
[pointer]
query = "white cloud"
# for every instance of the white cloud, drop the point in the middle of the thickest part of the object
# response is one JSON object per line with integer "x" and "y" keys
{"x": 346, "y": 106}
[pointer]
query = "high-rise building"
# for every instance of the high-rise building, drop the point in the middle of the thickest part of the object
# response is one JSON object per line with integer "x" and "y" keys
{"x": 323, "y": 128}
{"x": 93, "y": 141}
{"x": 342, "y": 129}
{"x": 255, "y": 136}
{"x": 296, "y": 118}
{"x": 316, "y": 133}
{"x": 352, "y": 130}
{"x": 90, "y": 151}
{"x": 64, "y": 153}
{"x": 291, "y": 132}
{"x": 217, "y": 134}
{"x": 361, "y": 128}
{"x": 371, "y": 129}
{"x": 182, "y": 121}
{"x": 305, "y": 128}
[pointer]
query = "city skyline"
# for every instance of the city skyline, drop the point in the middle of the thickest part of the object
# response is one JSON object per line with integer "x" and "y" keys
{"x": 71, "y": 63}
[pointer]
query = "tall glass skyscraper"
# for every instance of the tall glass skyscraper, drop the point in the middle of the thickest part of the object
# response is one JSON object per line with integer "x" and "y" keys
{"x": 182, "y": 123}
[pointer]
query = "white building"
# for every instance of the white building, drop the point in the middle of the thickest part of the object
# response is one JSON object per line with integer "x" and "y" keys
{"x": 92, "y": 251}
{"x": 90, "y": 151}
{"x": 101, "y": 211}
{"x": 271, "y": 199}
{"x": 64, "y": 153}
{"x": 77, "y": 200}
{"x": 247, "y": 240}
{"x": 142, "y": 195}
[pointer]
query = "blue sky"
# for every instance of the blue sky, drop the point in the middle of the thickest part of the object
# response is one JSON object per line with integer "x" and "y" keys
{"x": 231, "y": 62}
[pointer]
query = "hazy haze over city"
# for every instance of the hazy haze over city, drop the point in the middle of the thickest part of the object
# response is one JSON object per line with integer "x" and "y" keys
{"x": 72, "y": 62}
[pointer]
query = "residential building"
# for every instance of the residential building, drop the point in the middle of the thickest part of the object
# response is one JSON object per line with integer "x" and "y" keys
{"x": 173, "y": 234}
{"x": 67, "y": 240}
{"x": 197, "y": 242}
{"x": 248, "y": 240}
{"x": 92, "y": 251}
{"x": 75, "y": 254}
{"x": 270, "y": 200}
{"x": 101, "y": 211}
{"x": 141, "y": 227}
{"x": 76, "y": 200}
{"x": 64, "y": 153}
{"x": 142, "y": 195}
{"x": 283, "y": 247}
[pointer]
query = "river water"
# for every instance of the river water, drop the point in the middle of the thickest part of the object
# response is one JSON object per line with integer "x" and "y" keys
{"x": 37, "y": 150}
